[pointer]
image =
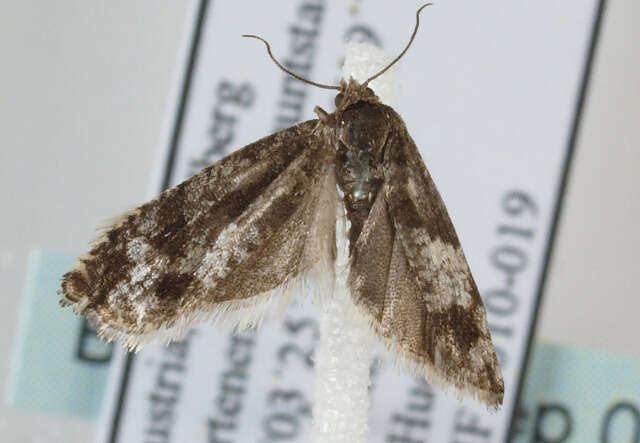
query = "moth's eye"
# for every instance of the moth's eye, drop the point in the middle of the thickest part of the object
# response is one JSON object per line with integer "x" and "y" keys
{"x": 338, "y": 100}
{"x": 370, "y": 91}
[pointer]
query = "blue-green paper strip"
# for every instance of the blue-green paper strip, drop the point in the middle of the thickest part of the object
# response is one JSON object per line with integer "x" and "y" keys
{"x": 575, "y": 395}
{"x": 47, "y": 373}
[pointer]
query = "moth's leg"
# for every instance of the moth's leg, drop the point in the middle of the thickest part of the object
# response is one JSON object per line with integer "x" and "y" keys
{"x": 322, "y": 114}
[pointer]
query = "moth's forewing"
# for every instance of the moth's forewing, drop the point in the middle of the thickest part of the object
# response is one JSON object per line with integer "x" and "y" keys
{"x": 239, "y": 228}
{"x": 425, "y": 303}
{"x": 371, "y": 261}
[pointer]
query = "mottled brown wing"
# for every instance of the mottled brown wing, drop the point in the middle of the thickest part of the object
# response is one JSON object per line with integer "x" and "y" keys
{"x": 412, "y": 279}
{"x": 226, "y": 243}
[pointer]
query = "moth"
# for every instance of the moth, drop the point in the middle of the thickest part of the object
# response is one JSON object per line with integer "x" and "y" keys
{"x": 242, "y": 236}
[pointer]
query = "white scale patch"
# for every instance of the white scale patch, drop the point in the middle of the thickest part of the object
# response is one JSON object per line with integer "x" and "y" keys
{"x": 216, "y": 261}
{"x": 215, "y": 264}
{"x": 143, "y": 275}
{"x": 446, "y": 269}
{"x": 137, "y": 249}
{"x": 479, "y": 354}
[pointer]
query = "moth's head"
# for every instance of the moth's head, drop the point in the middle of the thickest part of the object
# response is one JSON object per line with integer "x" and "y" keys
{"x": 352, "y": 92}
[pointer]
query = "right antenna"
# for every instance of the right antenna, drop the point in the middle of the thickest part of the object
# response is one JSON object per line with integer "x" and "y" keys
{"x": 415, "y": 30}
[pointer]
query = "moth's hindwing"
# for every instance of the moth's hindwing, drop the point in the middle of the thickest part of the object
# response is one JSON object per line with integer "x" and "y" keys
{"x": 412, "y": 280}
{"x": 230, "y": 240}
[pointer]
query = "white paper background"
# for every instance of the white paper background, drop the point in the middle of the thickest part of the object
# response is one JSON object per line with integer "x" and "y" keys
{"x": 84, "y": 85}
{"x": 488, "y": 93}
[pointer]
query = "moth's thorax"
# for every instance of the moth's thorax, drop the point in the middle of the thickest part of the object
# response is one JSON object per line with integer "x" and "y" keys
{"x": 360, "y": 134}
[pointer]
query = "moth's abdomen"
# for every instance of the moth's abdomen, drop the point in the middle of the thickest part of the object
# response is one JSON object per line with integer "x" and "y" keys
{"x": 358, "y": 179}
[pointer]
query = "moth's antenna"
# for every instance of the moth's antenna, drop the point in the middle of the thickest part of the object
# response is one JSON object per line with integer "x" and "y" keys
{"x": 292, "y": 74}
{"x": 415, "y": 30}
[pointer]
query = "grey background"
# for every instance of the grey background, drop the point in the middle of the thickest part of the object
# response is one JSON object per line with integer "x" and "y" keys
{"x": 83, "y": 93}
